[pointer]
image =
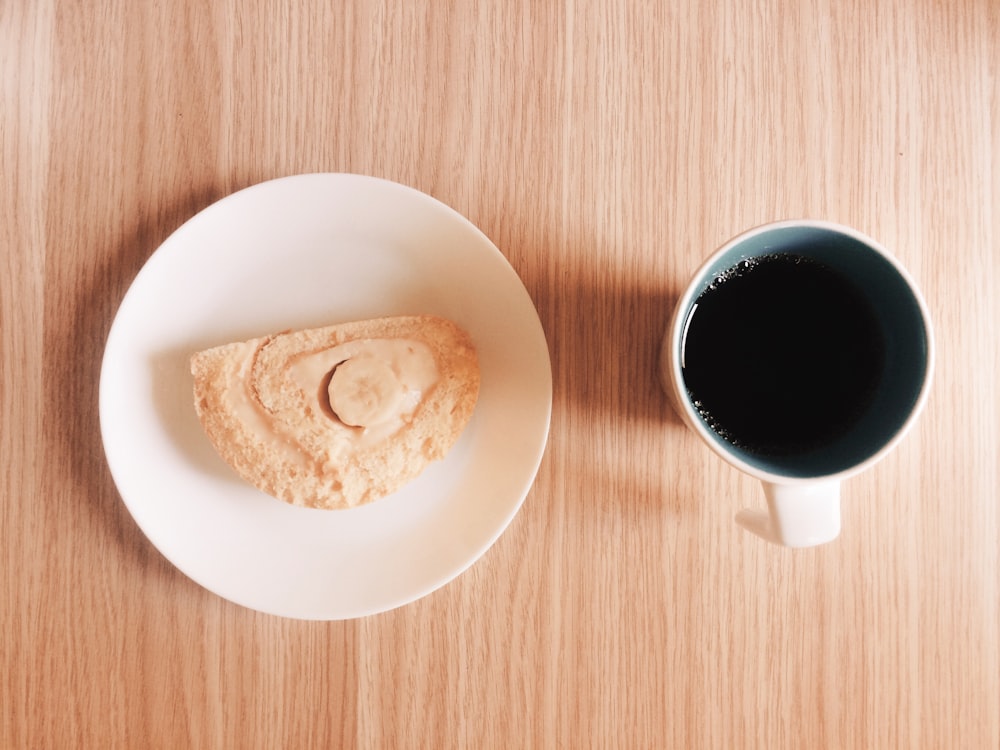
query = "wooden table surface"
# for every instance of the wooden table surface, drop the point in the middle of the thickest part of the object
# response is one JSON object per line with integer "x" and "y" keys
{"x": 606, "y": 148}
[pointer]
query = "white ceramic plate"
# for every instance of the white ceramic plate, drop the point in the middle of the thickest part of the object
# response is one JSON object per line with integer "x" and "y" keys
{"x": 306, "y": 251}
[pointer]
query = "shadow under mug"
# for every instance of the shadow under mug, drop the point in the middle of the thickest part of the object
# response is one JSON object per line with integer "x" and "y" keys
{"x": 803, "y": 489}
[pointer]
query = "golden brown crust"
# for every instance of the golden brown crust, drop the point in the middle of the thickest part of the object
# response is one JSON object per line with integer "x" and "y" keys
{"x": 281, "y": 436}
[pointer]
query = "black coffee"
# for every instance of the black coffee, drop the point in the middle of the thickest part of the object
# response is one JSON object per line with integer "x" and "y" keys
{"x": 782, "y": 355}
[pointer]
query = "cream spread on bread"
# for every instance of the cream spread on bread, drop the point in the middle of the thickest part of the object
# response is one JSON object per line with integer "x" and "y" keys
{"x": 371, "y": 384}
{"x": 386, "y": 379}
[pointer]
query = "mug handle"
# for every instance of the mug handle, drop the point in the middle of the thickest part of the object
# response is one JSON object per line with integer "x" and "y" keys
{"x": 798, "y": 515}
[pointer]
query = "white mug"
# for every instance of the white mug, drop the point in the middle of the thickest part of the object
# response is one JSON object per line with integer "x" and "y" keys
{"x": 801, "y": 477}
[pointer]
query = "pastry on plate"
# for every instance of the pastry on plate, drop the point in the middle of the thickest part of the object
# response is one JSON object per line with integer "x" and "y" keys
{"x": 338, "y": 416}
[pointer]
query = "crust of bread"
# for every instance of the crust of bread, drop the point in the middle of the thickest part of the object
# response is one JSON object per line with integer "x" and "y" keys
{"x": 277, "y": 436}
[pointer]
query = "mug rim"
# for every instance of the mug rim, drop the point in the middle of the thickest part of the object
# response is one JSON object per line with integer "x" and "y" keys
{"x": 677, "y": 329}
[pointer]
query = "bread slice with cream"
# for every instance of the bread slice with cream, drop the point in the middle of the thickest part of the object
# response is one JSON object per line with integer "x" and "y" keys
{"x": 338, "y": 416}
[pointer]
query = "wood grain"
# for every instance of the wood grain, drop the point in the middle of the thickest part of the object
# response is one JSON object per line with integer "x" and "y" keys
{"x": 606, "y": 148}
